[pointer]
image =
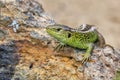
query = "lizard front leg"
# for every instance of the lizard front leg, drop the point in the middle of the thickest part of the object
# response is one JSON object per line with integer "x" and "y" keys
{"x": 87, "y": 55}
{"x": 68, "y": 52}
{"x": 59, "y": 47}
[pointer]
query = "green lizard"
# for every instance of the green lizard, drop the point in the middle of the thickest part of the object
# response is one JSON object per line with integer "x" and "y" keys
{"x": 82, "y": 38}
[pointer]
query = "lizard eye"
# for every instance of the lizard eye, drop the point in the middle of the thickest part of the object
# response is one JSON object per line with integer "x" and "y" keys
{"x": 58, "y": 29}
{"x": 69, "y": 35}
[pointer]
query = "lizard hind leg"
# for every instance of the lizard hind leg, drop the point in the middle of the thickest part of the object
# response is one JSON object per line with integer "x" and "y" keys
{"x": 86, "y": 56}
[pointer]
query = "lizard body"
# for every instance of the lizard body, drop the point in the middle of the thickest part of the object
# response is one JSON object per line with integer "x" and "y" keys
{"x": 82, "y": 38}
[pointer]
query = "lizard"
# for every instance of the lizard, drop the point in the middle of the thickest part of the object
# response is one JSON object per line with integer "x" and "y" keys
{"x": 84, "y": 37}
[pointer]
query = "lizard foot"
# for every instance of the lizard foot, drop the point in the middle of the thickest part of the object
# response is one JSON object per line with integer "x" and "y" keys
{"x": 86, "y": 57}
{"x": 59, "y": 47}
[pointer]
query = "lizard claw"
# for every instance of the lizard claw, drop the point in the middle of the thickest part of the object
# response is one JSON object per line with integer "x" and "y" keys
{"x": 59, "y": 47}
{"x": 86, "y": 58}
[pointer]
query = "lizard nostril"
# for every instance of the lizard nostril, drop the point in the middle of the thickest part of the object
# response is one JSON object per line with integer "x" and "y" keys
{"x": 69, "y": 35}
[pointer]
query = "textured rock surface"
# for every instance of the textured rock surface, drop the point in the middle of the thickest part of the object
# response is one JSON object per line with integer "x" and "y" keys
{"x": 28, "y": 12}
{"x": 28, "y": 54}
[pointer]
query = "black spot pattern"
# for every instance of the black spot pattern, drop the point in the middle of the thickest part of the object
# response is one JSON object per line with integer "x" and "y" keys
{"x": 69, "y": 35}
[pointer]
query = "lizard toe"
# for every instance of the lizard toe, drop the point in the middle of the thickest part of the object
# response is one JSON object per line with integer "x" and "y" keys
{"x": 85, "y": 59}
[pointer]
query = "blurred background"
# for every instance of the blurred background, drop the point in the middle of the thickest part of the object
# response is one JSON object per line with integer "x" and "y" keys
{"x": 105, "y": 14}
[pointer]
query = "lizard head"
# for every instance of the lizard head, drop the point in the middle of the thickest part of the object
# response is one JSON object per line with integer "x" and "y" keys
{"x": 58, "y": 31}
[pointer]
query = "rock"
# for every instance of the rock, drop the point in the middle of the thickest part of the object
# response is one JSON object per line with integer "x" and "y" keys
{"x": 28, "y": 12}
{"x": 28, "y": 54}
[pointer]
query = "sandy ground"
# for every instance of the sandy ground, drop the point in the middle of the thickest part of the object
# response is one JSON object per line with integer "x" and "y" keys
{"x": 105, "y": 14}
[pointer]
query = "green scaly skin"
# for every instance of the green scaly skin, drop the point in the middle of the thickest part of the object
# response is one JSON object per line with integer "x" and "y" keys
{"x": 74, "y": 39}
